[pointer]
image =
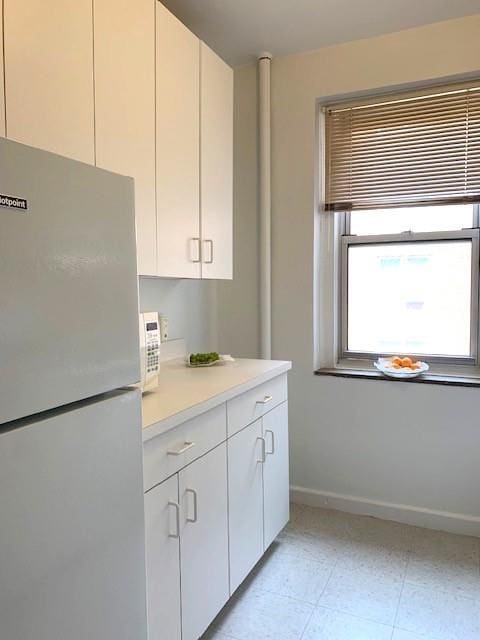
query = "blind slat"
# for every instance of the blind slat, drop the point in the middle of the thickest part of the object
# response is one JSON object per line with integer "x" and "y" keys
{"x": 411, "y": 136}
{"x": 447, "y": 113}
{"x": 395, "y": 145}
{"x": 413, "y": 103}
{"x": 399, "y": 169}
{"x": 409, "y": 152}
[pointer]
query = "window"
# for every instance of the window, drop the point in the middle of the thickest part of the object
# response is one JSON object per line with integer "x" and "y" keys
{"x": 403, "y": 185}
{"x": 410, "y": 291}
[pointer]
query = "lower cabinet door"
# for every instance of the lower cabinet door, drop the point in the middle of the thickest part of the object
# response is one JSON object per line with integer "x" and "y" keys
{"x": 245, "y": 486}
{"x": 204, "y": 541}
{"x": 162, "y": 524}
{"x": 275, "y": 473}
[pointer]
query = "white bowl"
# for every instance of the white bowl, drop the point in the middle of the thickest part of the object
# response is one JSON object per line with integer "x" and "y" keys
{"x": 383, "y": 365}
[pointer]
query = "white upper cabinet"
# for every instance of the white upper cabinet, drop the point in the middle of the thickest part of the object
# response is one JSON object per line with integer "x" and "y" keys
{"x": 125, "y": 108}
{"x": 178, "y": 139}
{"x": 126, "y": 86}
{"x": 194, "y": 155}
{"x": 216, "y": 164}
{"x": 2, "y": 80}
{"x": 49, "y": 75}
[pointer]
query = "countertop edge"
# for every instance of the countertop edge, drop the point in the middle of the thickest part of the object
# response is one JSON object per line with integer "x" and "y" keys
{"x": 162, "y": 426}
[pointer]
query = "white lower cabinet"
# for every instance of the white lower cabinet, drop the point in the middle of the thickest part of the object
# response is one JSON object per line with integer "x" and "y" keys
{"x": 186, "y": 521}
{"x": 204, "y": 541}
{"x": 162, "y": 525}
{"x": 258, "y": 487}
{"x": 212, "y": 520}
{"x": 246, "y": 453}
{"x": 276, "y": 507}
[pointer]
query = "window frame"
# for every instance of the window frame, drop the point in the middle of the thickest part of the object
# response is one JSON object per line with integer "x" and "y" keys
{"x": 345, "y": 240}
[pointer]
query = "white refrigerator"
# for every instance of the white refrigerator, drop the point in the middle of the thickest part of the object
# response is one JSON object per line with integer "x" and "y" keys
{"x": 72, "y": 550}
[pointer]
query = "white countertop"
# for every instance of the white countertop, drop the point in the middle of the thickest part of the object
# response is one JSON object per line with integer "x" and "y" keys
{"x": 184, "y": 393}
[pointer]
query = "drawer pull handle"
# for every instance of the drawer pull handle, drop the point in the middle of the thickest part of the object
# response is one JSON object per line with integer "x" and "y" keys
{"x": 178, "y": 452}
{"x": 195, "y": 505}
{"x": 272, "y": 451}
{"x": 264, "y": 452}
{"x": 266, "y": 400}
{"x": 176, "y": 506}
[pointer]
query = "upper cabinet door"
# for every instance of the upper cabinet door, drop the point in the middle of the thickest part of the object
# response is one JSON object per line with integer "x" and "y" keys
{"x": 49, "y": 78}
{"x": 178, "y": 133}
{"x": 2, "y": 81}
{"x": 216, "y": 165}
{"x": 125, "y": 108}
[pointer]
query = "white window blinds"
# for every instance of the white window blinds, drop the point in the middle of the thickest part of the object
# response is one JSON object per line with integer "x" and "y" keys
{"x": 405, "y": 151}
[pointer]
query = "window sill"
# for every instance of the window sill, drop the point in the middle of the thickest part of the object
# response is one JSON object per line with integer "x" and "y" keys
{"x": 426, "y": 378}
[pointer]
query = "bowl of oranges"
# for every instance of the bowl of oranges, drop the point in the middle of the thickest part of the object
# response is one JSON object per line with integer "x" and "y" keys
{"x": 401, "y": 367}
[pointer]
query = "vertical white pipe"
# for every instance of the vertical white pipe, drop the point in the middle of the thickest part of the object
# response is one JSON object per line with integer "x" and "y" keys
{"x": 265, "y": 205}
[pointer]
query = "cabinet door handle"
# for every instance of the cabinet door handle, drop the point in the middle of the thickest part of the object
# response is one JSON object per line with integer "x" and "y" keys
{"x": 270, "y": 453}
{"x": 178, "y": 452}
{"x": 176, "y": 506}
{"x": 198, "y": 253}
{"x": 195, "y": 505}
{"x": 264, "y": 452}
{"x": 209, "y": 242}
{"x": 266, "y": 400}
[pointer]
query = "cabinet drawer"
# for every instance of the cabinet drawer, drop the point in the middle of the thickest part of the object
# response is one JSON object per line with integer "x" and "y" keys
{"x": 171, "y": 451}
{"x": 253, "y": 404}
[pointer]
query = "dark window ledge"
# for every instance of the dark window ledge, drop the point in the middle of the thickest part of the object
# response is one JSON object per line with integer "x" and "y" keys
{"x": 426, "y": 378}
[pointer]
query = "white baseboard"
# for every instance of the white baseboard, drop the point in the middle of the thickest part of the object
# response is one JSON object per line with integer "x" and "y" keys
{"x": 428, "y": 518}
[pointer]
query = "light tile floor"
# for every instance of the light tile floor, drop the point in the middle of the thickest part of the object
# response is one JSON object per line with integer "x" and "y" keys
{"x": 336, "y": 576}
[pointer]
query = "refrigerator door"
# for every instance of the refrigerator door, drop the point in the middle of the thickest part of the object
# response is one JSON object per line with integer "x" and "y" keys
{"x": 72, "y": 550}
{"x": 68, "y": 282}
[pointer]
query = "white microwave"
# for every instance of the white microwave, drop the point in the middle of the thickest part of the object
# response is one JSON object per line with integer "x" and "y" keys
{"x": 150, "y": 339}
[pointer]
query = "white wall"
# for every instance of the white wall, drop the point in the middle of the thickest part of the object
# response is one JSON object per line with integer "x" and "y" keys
{"x": 407, "y": 444}
{"x": 189, "y": 306}
{"x": 238, "y": 321}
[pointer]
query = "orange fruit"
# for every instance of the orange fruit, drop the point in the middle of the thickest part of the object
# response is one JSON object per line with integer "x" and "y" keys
{"x": 407, "y": 362}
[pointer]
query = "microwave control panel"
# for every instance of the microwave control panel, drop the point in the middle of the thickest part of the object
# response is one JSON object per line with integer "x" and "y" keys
{"x": 150, "y": 339}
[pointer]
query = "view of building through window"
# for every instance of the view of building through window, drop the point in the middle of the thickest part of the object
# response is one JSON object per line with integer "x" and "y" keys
{"x": 411, "y": 297}
{"x": 409, "y": 291}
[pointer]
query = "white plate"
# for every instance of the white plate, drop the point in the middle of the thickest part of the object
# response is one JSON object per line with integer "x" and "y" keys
{"x": 382, "y": 365}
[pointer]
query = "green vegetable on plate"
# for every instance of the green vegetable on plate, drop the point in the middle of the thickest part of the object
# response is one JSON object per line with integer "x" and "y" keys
{"x": 204, "y": 358}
